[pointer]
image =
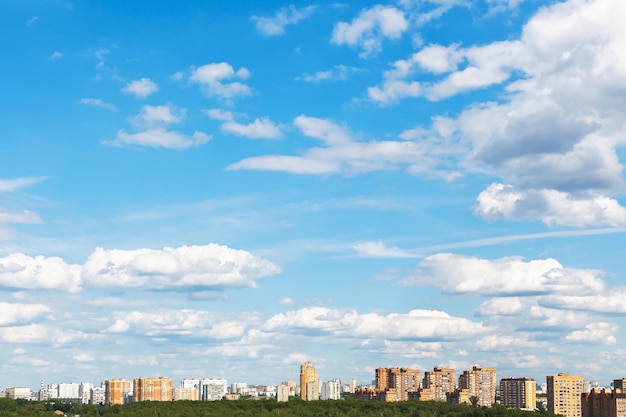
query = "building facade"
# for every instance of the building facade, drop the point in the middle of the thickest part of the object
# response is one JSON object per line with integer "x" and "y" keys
{"x": 117, "y": 391}
{"x": 481, "y": 383}
{"x": 564, "y": 394}
{"x": 152, "y": 389}
{"x": 213, "y": 389}
{"x": 437, "y": 384}
{"x": 331, "y": 390}
{"x": 309, "y": 384}
{"x": 605, "y": 402}
{"x": 518, "y": 393}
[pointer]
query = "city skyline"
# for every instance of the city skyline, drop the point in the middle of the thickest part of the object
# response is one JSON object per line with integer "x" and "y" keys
{"x": 231, "y": 190}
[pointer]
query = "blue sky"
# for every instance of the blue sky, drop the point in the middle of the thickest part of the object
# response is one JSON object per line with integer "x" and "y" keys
{"x": 191, "y": 189}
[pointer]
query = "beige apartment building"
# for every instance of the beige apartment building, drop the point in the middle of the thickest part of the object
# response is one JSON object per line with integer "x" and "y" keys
{"x": 438, "y": 384}
{"x": 395, "y": 384}
{"x": 518, "y": 393}
{"x": 116, "y": 391}
{"x": 152, "y": 389}
{"x": 564, "y": 394}
{"x": 481, "y": 383}
{"x": 309, "y": 384}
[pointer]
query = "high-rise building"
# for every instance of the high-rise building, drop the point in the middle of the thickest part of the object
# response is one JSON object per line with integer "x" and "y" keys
{"x": 213, "y": 389}
{"x": 481, "y": 383}
{"x": 309, "y": 385}
{"x": 331, "y": 390}
{"x": 518, "y": 393}
{"x": 438, "y": 383}
{"x": 97, "y": 396}
{"x": 152, "y": 389}
{"x": 564, "y": 394}
{"x": 282, "y": 393}
{"x": 603, "y": 403}
{"x": 395, "y": 384}
{"x": 117, "y": 391}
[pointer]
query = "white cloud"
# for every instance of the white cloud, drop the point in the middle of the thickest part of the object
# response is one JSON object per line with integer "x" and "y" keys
{"x": 379, "y": 250}
{"x": 7, "y": 185}
{"x": 56, "y": 55}
{"x": 158, "y": 115}
{"x": 610, "y": 302}
{"x": 183, "y": 268}
{"x": 414, "y": 325}
{"x": 40, "y": 333}
{"x": 556, "y": 127}
{"x": 552, "y": 207}
{"x": 184, "y": 323}
{"x": 459, "y": 274}
{"x": 336, "y": 73}
{"x": 370, "y": 28}
{"x": 213, "y": 77}
{"x": 23, "y": 216}
{"x": 219, "y": 114}
{"x": 20, "y": 313}
{"x": 275, "y": 25}
{"x": 97, "y": 103}
{"x": 343, "y": 154}
{"x": 159, "y": 138}
{"x": 285, "y": 301}
{"x": 259, "y": 129}
{"x": 142, "y": 87}
{"x": 32, "y": 20}
{"x": 595, "y": 333}
{"x": 262, "y": 128}
{"x": 38, "y": 273}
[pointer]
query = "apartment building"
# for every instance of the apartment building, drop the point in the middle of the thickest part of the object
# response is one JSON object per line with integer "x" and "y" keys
{"x": 395, "y": 384}
{"x": 152, "y": 389}
{"x": 518, "y": 393}
{"x": 437, "y": 384}
{"x": 605, "y": 402}
{"x": 309, "y": 384}
{"x": 481, "y": 383}
{"x": 564, "y": 394}
{"x": 117, "y": 391}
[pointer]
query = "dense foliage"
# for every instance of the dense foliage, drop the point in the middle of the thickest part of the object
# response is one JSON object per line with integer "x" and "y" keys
{"x": 263, "y": 408}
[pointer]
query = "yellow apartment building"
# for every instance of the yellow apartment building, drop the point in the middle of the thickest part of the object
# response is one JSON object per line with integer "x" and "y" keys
{"x": 564, "y": 394}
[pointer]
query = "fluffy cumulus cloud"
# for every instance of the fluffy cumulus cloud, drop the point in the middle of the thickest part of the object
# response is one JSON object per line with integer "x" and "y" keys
{"x": 181, "y": 323}
{"x": 552, "y": 207}
{"x": 341, "y": 153}
{"x": 554, "y": 136}
{"x": 608, "y": 302}
{"x": 41, "y": 333}
{"x": 370, "y": 28}
{"x": 141, "y": 88}
{"x": 20, "y": 313}
{"x": 261, "y": 128}
{"x": 19, "y": 271}
{"x": 595, "y": 333}
{"x": 275, "y": 25}
{"x": 183, "y": 268}
{"x": 220, "y": 80}
{"x": 158, "y": 115}
{"x": 459, "y": 274}
{"x": 414, "y": 325}
{"x": 155, "y": 121}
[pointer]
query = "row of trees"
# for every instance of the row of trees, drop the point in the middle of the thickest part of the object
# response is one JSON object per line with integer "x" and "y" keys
{"x": 264, "y": 408}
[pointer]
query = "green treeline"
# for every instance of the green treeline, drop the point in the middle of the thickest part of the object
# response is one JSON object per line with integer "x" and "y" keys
{"x": 264, "y": 408}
